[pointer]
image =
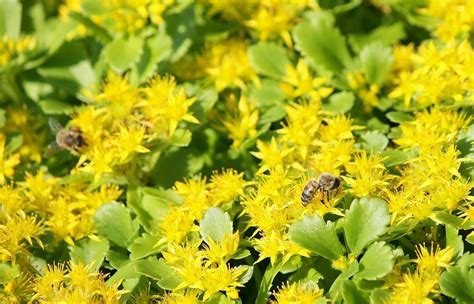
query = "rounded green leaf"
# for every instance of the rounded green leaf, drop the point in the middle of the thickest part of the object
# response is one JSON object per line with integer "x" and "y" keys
{"x": 376, "y": 60}
{"x": 269, "y": 59}
{"x": 458, "y": 283}
{"x": 399, "y": 117}
{"x": 215, "y": 224}
{"x": 314, "y": 234}
{"x": 158, "y": 270}
{"x": 144, "y": 246}
{"x": 322, "y": 43}
{"x": 374, "y": 141}
{"x": 340, "y": 102}
{"x": 365, "y": 221}
{"x": 377, "y": 261}
{"x": 113, "y": 221}
{"x": 123, "y": 52}
{"x": 88, "y": 251}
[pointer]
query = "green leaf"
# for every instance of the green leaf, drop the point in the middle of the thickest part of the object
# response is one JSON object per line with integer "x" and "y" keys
{"x": 377, "y": 261}
{"x": 467, "y": 260}
{"x": 379, "y": 296}
{"x": 144, "y": 246}
{"x": 215, "y": 225}
{"x": 374, "y": 141}
{"x": 8, "y": 272}
{"x": 247, "y": 275}
{"x": 122, "y": 53}
{"x": 458, "y": 283}
{"x": 352, "y": 295}
{"x": 340, "y": 102}
{"x": 150, "y": 205}
{"x": 454, "y": 241}
{"x": 55, "y": 107}
{"x": 181, "y": 138}
{"x": 314, "y": 234}
{"x": 376, "y": 60}
{"x": 158, "y": 270}
{"x": 88, "y": 251}
{"x": 453, "y": 220}
{"x": 126, "y": 271}
{"x": 272, "y": 114}
{"x": 269, "y": 59}
{"x": 399, "y": 117}
{"x": 470, "y": 238}
{"x": 365, "y": 221}
{"x": 113, "y": 221}
{"x": 10, "y": 18}
{"x": 336, "y": 287}
{"x": 155, "y": 49}
{"x": 322, "y": 43}
{"x": 268, "y": 94}
{"x": 385, "y": 34}
{"x": 396, "y": 157}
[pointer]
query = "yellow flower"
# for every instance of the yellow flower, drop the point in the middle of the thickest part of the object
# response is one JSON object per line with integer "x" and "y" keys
{"x": 226, "y": 186}
{"x": 243, "y": 124}
{"x": 431, "y": 262}
{"x": 165, "y": 105}
{"x": 433, "y": 128}
{"x": 15, "y": 231}
{"x": 271, "y": 154}
{"x": 413, "y": 289}
{"x": 221, "y": 68}
{"x": 74, "y": 283}
{"x": 12, "y": 49}
{"x": 221, "y": 252}
{"x": 276, "y": 245}
{"x": 300, "y": 82}
{"x": 367, "y": 175}
{"x": 222, "y": 278}
{"x": 297, "y": 292}
{"x": 8, "y": 161}
{"x": 130, "y": 141}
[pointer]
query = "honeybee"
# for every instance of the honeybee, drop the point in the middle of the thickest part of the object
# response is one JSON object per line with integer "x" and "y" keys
{"x": 66, "y": 139}
{"x": 326, "y": 185}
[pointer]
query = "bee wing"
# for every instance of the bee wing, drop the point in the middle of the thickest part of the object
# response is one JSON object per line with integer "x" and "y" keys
{"x": 54, "y": 125}
{"x": 52, "y": 149}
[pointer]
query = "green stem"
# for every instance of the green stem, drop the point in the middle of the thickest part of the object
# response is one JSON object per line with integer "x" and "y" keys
{"x": 267, "y": 280}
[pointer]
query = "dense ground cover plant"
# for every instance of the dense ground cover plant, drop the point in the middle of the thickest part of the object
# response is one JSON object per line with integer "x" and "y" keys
{"x": 197, "y": 126}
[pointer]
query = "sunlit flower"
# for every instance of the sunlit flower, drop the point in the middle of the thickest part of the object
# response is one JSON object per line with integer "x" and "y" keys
{"x": 8, "y": 161}
{"x": 297, "y": 293}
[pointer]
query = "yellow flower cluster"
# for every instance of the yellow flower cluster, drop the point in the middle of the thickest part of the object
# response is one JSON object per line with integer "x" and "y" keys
{"x": 297, "y": 293}
{"x": 431, "y": 181}
{"x": 12, "y": 49}
{"x": 240, "y": 120}
{"x": 66, "y": 209}
{"x": 417, "y": 286}
{"x": 123, "y": 118}
{"x": 198, "y": 196}
{"x": 74, "y": 283}
{"x": 434, "y": 74}
{"x": 455, "y": 18}
{"x": 117, "y": 15}
{"x": 217, "y": 64}
{"x": 268, "y": 18}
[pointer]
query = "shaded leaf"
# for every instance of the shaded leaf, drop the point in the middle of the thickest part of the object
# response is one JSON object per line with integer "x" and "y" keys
{"x": 365, "y": 221}
{"x": 215, "y": 224}
{"x": 314, "y": 234}
{"x": 376, "y": 60}
{"x": 113, "y": 221}
{"x": 340, "y": 102}
{"x": 87, "y": 251}
{"x": 123, "y": 52}
{"x": 269, "y": 59}
{"x": 458, "y": 283}
{"x": 377, "y": 261}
